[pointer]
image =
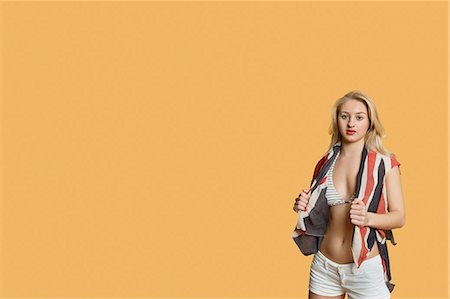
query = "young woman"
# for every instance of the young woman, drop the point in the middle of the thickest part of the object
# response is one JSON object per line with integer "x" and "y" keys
{"x": 354, "y": 202}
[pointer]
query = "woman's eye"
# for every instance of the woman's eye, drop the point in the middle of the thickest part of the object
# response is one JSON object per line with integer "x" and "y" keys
{"x": 360, "y": 117}
{"x": 344, "y": 116}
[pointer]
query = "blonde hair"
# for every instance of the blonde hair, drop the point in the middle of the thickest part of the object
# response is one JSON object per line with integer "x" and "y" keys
{"x": 375, "y": 133}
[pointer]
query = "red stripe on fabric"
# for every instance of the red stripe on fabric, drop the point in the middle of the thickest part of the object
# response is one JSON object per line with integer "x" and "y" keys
{"x": 364, "y": 250}
{"x": 384, "y": 265}
{"x": 323, "y": 180}
{"x": 394, "y": 162}
{"x": 369, "y": 184}
{"x": 319, "y": 165}
{"x": 382, "y": 233}
{"x": 382, "y": 205}
{"x": 370, "y": 180}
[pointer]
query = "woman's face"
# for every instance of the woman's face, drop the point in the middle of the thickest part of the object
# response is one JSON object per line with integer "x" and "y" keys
{"x": 353, "y": 121}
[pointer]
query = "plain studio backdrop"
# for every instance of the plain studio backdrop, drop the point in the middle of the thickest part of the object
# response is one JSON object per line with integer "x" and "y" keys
{"x": 155, "y": 149}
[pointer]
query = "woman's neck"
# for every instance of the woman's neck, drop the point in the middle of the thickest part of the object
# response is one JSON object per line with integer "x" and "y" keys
{"x": 351, "y": 150}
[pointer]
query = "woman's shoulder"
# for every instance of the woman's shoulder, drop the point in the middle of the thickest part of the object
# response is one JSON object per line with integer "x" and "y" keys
{"x": 390, "y": 160}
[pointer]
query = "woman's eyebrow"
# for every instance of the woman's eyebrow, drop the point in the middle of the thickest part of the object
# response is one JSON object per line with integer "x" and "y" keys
{"x": 355, "y": 113}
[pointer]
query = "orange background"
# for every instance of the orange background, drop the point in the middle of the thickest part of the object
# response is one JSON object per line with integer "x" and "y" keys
{"x": 155, "y": 149}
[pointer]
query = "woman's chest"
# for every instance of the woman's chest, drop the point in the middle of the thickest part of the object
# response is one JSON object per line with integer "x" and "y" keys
{"x": 343, "y": 176}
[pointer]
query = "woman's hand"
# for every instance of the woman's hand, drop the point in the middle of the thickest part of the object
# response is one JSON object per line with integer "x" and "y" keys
{"x": 301, "y": 201}
{"x": 358, "y": 213}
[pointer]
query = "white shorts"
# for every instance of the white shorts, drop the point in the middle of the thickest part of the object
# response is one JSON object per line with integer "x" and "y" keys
{"x": 328, "y": 278}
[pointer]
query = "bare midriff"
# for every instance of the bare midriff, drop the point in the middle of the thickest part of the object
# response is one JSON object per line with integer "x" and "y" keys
{"x": 337, "y": 242}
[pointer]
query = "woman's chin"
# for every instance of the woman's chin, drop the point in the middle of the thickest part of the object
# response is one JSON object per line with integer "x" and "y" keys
{"x": 351, "y": 138}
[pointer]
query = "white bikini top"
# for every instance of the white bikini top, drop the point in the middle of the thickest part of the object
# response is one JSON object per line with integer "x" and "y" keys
{"x": 333, "y": 197}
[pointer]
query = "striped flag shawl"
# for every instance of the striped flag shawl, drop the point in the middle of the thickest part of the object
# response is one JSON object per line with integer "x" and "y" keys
{"x": 370, "y": 187}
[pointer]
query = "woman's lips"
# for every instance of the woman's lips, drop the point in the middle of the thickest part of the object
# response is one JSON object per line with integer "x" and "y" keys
{"x": 350, "y": 132}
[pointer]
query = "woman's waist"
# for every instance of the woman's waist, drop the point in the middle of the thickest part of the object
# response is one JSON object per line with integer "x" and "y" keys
{"x": 337, "y": 241}
{"x": 339, "y": 247}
